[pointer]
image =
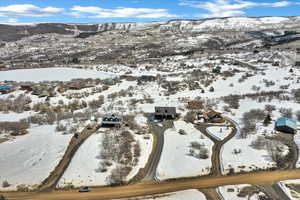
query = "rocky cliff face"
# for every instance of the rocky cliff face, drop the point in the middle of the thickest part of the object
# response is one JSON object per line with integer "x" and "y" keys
{"x": 16, "y": 32}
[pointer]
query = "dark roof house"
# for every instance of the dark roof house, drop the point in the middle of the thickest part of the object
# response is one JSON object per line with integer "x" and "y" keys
{"x": 286, "y": 125}
{"x": 111, "y": 120}
{"x": 217, "y": 70}
{"x": 26, "y": 87}
{"x": 165, "y": 112}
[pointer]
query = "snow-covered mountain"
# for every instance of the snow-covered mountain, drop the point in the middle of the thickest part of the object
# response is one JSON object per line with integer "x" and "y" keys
{"x": 12, "y": 32}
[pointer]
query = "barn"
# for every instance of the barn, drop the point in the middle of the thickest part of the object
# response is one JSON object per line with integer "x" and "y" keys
{"x": 286, "y": 125}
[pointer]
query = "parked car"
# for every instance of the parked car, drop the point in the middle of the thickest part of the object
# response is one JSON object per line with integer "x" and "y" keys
{"x": 84, "y": 189}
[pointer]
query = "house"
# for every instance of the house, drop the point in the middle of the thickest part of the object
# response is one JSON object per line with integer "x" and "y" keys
{"x": 286, "y": 125}
{"x": 44, "y": 93}
{"x": 217, "y": 70}
{"x": 76, "y": 85}
{"x": 4, "y": 89}
{"x": 165, "y": 113}
{"x": 61, "y": 90}
{"x": 211, "y": 116}
{"x": 26, "y": 87}
{"x": 109, "y": 81}
{"x": 111, "y": 120}
{"x": 194, "y": 105}
{"x": 146, "y": 78}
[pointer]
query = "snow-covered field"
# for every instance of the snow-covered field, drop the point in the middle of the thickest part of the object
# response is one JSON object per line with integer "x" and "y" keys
{"x": 259, "y": 158}
{"x": 128, "y": 96}
{"x": 230, "y": 192}
{"x": 181, "y": 195}
{"x": 247, "y": 158}
{"x": 51, "y": 74}
{"x": 14, "y": 117}
{"x": 84, "y": 168}
{"x": 29, "y": 159}
{"x": 176, "y": 160}
{"x": 218, "y": 132}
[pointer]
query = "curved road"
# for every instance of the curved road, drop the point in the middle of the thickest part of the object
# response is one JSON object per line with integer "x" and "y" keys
{"x": 218, "y": 144}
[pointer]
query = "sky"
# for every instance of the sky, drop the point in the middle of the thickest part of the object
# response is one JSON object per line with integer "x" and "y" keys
{"x": 99, "y": 11}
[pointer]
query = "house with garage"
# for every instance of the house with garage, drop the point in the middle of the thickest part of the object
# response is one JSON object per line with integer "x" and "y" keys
{"x": 286, "y": 125}
{"x": 111, "y": 121}
{"x": 162, "y": 113}
{"x": 211, "y": 116}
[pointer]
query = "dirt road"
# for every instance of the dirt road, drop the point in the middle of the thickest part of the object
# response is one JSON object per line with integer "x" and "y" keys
{"x": 216, "y": 149}
{"x": 51, "y": 181}
{"x": 152, "y": 187}
{"x": 273, "y": 191}
{"x": 211, "y": 194}
{"x": 158, "y": 133}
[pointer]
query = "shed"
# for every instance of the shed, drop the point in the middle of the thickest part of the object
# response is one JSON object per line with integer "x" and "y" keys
{"x": 111, "y": 120}
{"x": 165, "y": 113}
{"x": 286, "y": 125}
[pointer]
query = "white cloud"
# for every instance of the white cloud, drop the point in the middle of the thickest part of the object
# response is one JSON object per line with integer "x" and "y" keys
{"x": 28, "y": 10}
{"x": 12, "y": 20}
{"x": 120, "y": 12}
{"x": 229, "y": 8}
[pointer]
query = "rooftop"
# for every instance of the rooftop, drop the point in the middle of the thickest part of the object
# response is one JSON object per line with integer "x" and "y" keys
{"x": 284, "y": 121}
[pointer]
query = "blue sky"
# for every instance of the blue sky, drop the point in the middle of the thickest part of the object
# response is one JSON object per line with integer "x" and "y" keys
{"x": 97, "y": 11}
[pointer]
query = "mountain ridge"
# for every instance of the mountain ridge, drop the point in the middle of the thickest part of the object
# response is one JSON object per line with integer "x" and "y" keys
{"x": 11, "y": 32}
